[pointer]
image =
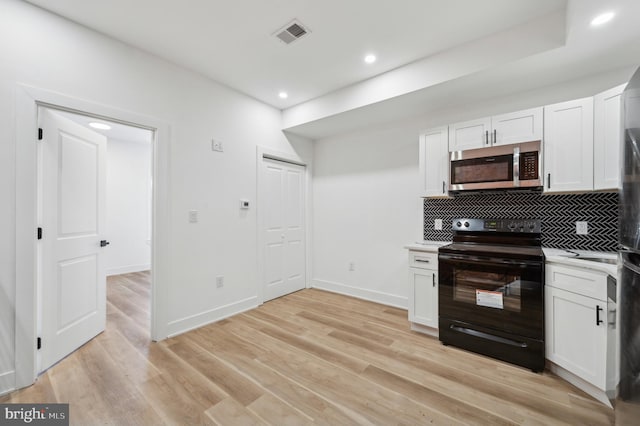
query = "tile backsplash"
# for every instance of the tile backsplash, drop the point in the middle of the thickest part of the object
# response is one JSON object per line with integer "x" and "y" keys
{"x": 558, "y": 214}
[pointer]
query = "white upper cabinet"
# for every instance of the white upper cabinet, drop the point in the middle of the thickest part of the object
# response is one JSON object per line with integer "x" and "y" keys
{"x": 434, "y": 162}
{"x": 470, "y": 134}
{"x": 520, "y": 126}
{"x": 607, "y": 135}
{"x": 514, "y": 127}
{"x": 568, "y": 146}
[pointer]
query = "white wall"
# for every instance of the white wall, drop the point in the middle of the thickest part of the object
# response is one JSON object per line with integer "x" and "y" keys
{"x": 48, "y": 52}
{"x": 365, "y": 210}
{"x": 366, "y": 192}
{"x": 128, "y": 212}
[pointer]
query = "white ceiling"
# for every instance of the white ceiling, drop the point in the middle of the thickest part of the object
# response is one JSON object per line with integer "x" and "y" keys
{"x": 331, "y": 90}
{"x": 232, "y": 41}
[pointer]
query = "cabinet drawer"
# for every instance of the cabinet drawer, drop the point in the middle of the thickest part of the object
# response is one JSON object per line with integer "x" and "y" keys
{"x": 579, "y": 281}
{"x": 423, "y": 260}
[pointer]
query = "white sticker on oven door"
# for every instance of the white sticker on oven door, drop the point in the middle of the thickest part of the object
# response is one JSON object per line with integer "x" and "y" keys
{"x": 490, "y": 299}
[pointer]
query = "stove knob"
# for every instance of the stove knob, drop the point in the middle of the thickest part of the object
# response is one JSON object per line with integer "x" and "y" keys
{"x": 458, "y": 224}
{"x": 466, "y": 224}
{"x": 532, "y": 226}
{"x": 511, "y": 226}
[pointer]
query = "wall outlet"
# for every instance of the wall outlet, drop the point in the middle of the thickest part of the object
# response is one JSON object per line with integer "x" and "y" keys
{"x": 352, "y": 266}
{"x": 582, "y": 228}
{"x": 220, "y": 281}
{"x": 193, "y": 216}
{"x": 216, "y": 145}
{"x": 437, "y": 224}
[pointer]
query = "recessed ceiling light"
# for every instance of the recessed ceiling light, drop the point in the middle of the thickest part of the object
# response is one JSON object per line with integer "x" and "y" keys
{"x": 100, "y": 126}
{"x": 370, "y": 59}
{"x": 603, "y": 18}
{"x": 283, "y": 95}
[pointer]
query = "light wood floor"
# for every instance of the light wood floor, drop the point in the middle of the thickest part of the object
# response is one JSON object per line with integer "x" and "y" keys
{"x": 309, "y": 357}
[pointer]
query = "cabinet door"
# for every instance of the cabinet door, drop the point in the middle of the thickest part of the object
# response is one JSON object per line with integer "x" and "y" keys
{"x": 574, "y": 340}
{"x": 423, "y": 297}
{"x": 607, "y": 138}
{"x": 568, "y": 146}
{"x": 470, "y": 134}
{"x": 434, "y": 162}
{"x": 515, "y": 127}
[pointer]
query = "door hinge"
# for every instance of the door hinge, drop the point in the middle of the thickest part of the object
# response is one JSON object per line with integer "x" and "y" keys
{"x": 39, "y": 343}
{"x": 39, "y": 133}
{"x": 39, "y": 233}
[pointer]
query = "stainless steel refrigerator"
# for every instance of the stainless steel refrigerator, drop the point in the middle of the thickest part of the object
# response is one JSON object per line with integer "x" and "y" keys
{"x": 629, "y": 238}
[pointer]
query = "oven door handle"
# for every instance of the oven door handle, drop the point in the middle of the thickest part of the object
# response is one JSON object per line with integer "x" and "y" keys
{"x": 489, "y": 260}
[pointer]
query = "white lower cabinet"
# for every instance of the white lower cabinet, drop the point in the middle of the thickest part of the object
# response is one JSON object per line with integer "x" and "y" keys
{"x": 423, "y": 288}
{"x": 578, "y": 333}
{"x": 574, "y": 340}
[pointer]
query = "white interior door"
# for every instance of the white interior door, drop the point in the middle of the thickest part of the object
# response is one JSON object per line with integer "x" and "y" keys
{"x": 284, "y": 237}
{"x": 72, "y": 300}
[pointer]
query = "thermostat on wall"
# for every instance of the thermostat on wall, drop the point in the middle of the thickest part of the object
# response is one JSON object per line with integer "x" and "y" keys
{"x": 244, "y": 204}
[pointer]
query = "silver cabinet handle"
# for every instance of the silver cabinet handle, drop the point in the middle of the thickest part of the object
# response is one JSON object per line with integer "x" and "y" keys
{"x": 486, "y": 137}
{"x": 549, "y": 181}
{"x": 443, "y": 187}
{"x": 422, "y": 260}
{"x": 433, "y": 279}
{"x": 495, "y": 136}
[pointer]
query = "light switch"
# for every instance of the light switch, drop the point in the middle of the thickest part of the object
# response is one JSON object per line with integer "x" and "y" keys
{"x": 193, "y": 216}
{"x": 437, "y": 224}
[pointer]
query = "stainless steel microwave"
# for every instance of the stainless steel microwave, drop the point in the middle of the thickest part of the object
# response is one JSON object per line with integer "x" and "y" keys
{"x": 515, "y": 166}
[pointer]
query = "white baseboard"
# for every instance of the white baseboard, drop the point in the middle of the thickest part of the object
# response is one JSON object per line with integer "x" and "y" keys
{"x": 196, "y": 321}
{"x": 425, "y": 330}
{"x": 7, "y": 382}
{"x": 581, "y": 384}
{"x": 361, "y": 293}
{"x": 128, "y": 269}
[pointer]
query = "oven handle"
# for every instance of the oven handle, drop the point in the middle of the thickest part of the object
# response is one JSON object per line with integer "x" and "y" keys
{"x": 489, "y": 260}
{"x": 487, "y": 336}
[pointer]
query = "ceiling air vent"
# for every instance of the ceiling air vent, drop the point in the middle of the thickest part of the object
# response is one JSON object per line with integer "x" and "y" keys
{"x": 291, "y": 32}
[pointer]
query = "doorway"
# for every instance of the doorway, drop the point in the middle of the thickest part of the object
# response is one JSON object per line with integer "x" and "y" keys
{"x": 28, "y": 100}
{"x": 94, "y": 207}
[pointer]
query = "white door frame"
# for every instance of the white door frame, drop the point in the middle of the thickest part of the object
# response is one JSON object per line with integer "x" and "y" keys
{"x": 28, "y": 99}
{"x": 263, "y": 153}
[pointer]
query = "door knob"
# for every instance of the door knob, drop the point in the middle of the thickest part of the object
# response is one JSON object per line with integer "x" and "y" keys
{"x": 104, "y": 243}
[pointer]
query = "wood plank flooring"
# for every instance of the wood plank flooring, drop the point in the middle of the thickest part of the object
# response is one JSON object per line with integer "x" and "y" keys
{"x": 311, "y": 357}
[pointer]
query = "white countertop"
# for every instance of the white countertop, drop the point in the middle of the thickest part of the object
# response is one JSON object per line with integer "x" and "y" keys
{"x": 430, "y": 246}
{"x": 552, "y": 255}
{"x": 570, "y": 258}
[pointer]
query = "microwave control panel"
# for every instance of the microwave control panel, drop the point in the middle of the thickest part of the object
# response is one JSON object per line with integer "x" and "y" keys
{"x": 529, "y": 165}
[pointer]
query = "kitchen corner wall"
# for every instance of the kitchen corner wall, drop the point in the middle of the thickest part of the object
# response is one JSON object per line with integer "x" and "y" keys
{"x": 558, "y": 214}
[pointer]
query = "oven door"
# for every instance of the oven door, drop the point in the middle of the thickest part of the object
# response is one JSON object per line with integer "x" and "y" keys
{"x": 493, "y": 293}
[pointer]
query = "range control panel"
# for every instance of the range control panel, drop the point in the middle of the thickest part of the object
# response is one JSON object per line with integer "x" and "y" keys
{"x": 530, "y": 226}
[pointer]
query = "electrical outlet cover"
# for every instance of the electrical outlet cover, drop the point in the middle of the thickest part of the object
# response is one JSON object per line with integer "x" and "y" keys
{"x": 582, "y": 228}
